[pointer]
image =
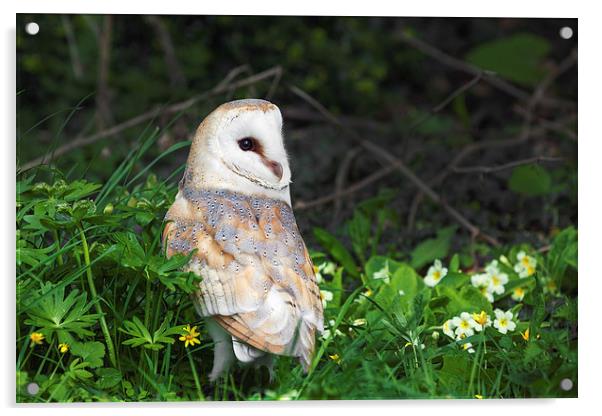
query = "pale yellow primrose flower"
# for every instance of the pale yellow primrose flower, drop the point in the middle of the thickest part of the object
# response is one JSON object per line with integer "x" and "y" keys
{"x": 468, "y": 347}
{"x": 326, "y": 297}
{"x": 518, "y": 294}
{"x": 327, "y": 333}
{"x": 497, "y": 279}
{"x": 482, "y": 281}
{"x": 482, "y": 319}
{"x": 322, "y": 269}
{"x": 465, "y": 325}
{"x": 448, "y": 328}
{"x": 526, "y": 265}
{"x": 435, "y": 273}
{"x": 503, "y": 321}
{"x": 383, "y": 273}
{"x": 359, "y": 322}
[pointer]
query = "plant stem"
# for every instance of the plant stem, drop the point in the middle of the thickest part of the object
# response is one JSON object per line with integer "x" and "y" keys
{"x": 196, "y": 377}
{"x": 58, "y": 246}
{"x": 44, "y": 359}
{"x": 103, "y": 322}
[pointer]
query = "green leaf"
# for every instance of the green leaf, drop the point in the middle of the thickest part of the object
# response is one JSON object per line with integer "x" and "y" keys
{"x": 107, "y": 377}
{"x": 51, "y": 311}
{"x": 337, "y": 250}
{"x": 454, "y": 264}
{"x": 434, "y": 248}
{"x": 467, "y": 299}
{"x": 530, "y": 180}
{"x": 91, "y": 352}
{"x": 401, "y": 290}
{"x": 518, "y": 58}
{"x": 359, "y": 231}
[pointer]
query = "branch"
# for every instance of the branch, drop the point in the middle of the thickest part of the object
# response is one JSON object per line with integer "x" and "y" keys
{"x": 348, "y": 191}
{"x": 399, "y": 165}
{"x": 463, "y": 66}
{"x": 177, "y": 79}
{"x": 449, "y": 99}
{"x": 526, "y": 132}
{"x": 510, "y": 165}
{"x": 340, "y": 179}
{"x": 224, "y": 86}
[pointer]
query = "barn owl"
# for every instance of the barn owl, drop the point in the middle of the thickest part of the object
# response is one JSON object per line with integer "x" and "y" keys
{"x": 233, "y": 206}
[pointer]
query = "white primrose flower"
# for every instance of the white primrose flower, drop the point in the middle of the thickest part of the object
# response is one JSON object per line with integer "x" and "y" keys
{"x": 322, "y": 269}
{"x": 326, "y": 297}
{"x": 503, "y": 321}
{"x": 526, "y": 264}
{"x": 328, "y": 333}
{"x": 435, "y": 273}
{"x": 467, "y": 346}
{"x": 383, "y": 273}
{"x": 492, "y": 267}
{"x": 465, "y": 325}
{"x": 497, "y": 281}
{"x": 518, "y": 294}
{"x": 448, "y": 328}
{"x": 482, "y": 281}
{"x": 359, "y": 322}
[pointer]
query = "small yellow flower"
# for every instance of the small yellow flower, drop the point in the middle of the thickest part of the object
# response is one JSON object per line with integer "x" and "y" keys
{"x": 482, "y": 319}
{"x": 191, "y": 336}
{"x": 37, "y": 338}
{"x": 335, "y": 358}
{"x": 63, "y": 348}
{"x": 518, "y": 294}
{"x": 478, "y": 396}
{"x": 525, "y": 335}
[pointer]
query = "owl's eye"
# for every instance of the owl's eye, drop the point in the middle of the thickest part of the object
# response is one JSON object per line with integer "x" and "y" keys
{"x": 247, "y": 144}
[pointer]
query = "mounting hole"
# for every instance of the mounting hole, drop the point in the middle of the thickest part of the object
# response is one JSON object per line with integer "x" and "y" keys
{"x": 566, "y": 32}
{"x": 32, "y": 28}
{"x": 566, "y": 384}
{"x": 33, "y": 388}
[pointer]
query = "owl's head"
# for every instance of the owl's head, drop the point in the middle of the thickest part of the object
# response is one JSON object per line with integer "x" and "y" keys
{"x": 239, "y": 146}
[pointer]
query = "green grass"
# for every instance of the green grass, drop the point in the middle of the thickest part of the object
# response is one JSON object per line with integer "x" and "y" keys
{"x": 91, "y": 274}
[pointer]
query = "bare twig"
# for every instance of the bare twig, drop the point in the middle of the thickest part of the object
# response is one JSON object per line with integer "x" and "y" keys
{"x": 463, "y": 66}
{"x": 274, "y": 86}
{"x": 177, "y": 79}
{"x": 463, "y": 88}
{"x": 349, "y": 190}
{"x": 526, "y": 132}
{"x": 149, "y": 115}
{"x": 510, "y": 165}
{"x": 340, "y": 179}
{"x": 400, "y": 166}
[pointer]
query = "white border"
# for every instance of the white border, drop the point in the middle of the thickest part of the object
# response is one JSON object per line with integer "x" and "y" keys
{"x": 590, "y": 70}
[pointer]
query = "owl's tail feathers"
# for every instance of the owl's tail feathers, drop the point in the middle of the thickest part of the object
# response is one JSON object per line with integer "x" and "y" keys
{"x": 305, "y": 344}
{"x": 244, "y": 352}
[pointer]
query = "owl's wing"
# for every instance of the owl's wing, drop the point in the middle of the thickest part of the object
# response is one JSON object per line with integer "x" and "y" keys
{"x": 258, "y": 279}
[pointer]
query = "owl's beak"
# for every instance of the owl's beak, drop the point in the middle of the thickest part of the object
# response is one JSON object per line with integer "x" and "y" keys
{"x": 275, "y": 167}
